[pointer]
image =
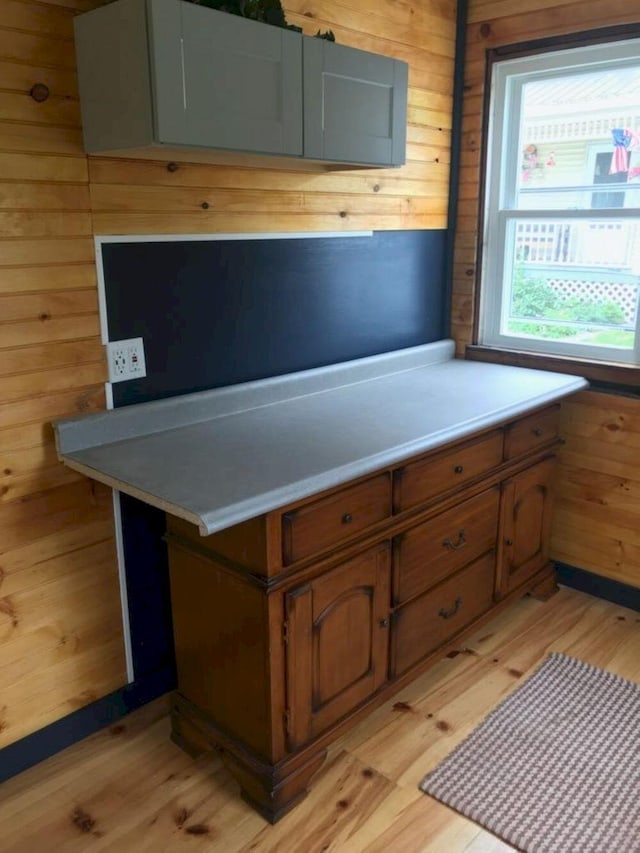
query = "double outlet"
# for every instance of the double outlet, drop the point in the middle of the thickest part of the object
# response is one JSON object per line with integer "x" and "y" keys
{"x": 126, "y": 360}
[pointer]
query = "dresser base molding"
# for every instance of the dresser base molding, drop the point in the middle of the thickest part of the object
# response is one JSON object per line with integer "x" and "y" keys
{"x": 547, "y": 586}
{"x": 273, "y": 789}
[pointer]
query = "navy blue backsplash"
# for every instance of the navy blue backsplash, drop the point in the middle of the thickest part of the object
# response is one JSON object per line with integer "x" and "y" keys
{"x": 214, "y": 313}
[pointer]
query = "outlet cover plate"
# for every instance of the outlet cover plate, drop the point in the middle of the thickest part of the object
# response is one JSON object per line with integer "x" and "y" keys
{"x": 126, "y": 360}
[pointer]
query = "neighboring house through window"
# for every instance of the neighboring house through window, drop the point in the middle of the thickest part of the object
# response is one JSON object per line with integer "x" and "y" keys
{"x": 560, "y": 270}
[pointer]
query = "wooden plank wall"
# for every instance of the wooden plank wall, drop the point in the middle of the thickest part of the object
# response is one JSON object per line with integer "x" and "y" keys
{"x": 597, "y": 516}
{"x": 60, "y": 626}
{"x": 60, "y": 632}
{"x": 597, "y": 512}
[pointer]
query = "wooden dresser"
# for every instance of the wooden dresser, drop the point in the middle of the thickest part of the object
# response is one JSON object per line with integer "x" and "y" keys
{"x": 291, "y": 626}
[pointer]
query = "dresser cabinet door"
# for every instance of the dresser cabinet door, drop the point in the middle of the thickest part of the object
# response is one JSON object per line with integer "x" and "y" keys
{"x": 525, "y": 525}
{"x": 337, "y": 642}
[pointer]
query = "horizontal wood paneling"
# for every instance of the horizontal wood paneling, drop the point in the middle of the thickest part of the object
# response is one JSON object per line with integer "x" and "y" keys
{"x": 596, "y": 511}
{"x": 48, "y": 277}
{"x": 38, "y": 138}
{"x": 57, "y": 565}
{"x": 597, "y": 516}
{"x": 60, "y": 625}
{"x": 52, "y": 406}
{"x": 23, "y": 167}
{"x": 47, "y": 356}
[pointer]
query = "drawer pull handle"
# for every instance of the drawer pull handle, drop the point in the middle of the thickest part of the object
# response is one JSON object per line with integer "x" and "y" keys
{"x": 537, "y": 432}
{"x": 458, "y": 469}
{"x": 384, "y": 623}
{"x": 347, "y": 518}
{"x": 458, "y": 544}
{"x": 447, "y": 614}
{"x": 508, "y": 542}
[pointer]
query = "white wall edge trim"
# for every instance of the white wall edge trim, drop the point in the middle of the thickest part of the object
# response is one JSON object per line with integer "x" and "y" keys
{"x": 169, "y": 238}
{"x": 115, "y": 495}
{"x": 124, "y": 598}
{"x": 102, "y": 292}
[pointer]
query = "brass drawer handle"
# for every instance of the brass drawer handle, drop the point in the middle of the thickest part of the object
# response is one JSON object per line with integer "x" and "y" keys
{"x": 447, "y": 614}
{"x": 537, "y": 432}
{"x": 460, "y": 542}
{"x": 384, "y": 623}
{"x": 347, "y": 518}
{"x": 458, "y": 469}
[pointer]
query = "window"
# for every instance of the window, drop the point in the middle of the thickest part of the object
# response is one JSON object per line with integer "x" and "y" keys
{"x": 561, "y": 243}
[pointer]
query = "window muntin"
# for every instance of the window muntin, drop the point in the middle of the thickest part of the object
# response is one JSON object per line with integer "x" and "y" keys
{"x": 561, "y": 244}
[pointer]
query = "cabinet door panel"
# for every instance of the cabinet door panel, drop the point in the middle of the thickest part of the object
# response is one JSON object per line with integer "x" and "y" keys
{"x": 239, "y": 84}
{"x": 337, "y": 642}
{"x": 525, "y": 525}
{"x": 354, "y": 105}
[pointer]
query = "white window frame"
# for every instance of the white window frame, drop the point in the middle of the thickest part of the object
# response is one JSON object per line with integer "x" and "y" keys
{"x": 502, "y": 165}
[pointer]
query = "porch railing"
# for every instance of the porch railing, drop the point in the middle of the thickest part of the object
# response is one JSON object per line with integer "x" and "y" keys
{"x": 583, "y": 243}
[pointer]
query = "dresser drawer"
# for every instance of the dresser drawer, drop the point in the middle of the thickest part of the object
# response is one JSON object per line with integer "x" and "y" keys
{"x": 419, "y": 481}
{"x": 532, "y": 432}
{"x": 330, "y": 521}
{"x": 430, "y": 620}
{"x": 435, "y": 549}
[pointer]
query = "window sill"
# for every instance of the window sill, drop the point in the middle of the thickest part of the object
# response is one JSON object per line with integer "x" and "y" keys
{"x": 615, "y": 376}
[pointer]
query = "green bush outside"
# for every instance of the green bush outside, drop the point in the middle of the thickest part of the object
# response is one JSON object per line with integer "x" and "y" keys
{"x": 534, "y": 298}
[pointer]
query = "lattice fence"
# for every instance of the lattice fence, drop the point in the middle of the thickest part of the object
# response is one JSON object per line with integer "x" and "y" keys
{"x": 624, "y": 295}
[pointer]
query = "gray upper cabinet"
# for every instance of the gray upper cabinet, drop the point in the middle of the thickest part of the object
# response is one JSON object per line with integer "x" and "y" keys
{"x": 169, "y": 73}
{"x": 355, "y": 105}
{"x": 222, "y": 81}
{"x": 173, "y": 73}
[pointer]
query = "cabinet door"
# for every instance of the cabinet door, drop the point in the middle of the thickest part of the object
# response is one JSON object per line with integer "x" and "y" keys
{"x": 337, "y": 642}
{"x": 525, "y": 524}
{"x": 223, "y": 81}
{"x": 355, "y": 105}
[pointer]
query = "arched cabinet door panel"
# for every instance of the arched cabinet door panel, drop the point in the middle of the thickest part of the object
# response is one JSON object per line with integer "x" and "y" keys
{"x": 525, "y": 525}
{"x": 337, "y": 642}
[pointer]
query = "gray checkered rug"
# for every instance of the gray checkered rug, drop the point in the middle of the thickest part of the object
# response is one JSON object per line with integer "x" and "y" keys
{"x": 555, "y": 768}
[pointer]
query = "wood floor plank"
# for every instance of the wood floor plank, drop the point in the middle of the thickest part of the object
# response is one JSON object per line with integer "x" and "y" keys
{"x": 129, "y": 788}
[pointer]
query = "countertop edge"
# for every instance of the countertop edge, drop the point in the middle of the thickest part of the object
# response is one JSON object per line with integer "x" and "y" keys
{"x": 267, "y": 501}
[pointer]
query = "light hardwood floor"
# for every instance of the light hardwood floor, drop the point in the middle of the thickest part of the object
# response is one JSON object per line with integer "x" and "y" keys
{"x": 129, "y": 788}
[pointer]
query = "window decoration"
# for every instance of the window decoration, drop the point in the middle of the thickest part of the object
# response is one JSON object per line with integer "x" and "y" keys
{"x": 529, "y": 162}
{"x": 623, "y": 140}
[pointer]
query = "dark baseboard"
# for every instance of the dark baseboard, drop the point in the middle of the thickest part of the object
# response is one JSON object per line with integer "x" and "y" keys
{"x": 610, "y": 590}
{"x": 57, "y": 736}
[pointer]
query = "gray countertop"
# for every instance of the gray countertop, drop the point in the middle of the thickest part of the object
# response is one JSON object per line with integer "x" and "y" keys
{"x": 220, "y": 457}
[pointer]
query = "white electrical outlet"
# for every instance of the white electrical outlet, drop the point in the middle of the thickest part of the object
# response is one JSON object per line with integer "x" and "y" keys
{"x": 126, "y": 360}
